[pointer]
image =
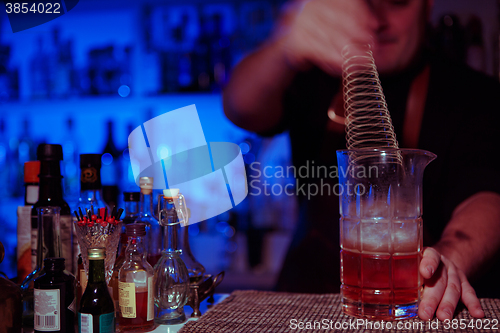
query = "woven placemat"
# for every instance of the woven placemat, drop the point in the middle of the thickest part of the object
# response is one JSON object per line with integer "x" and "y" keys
{"x": 263, "y": 311}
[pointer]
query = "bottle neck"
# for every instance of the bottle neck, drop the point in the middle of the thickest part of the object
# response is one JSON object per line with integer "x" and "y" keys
{"x": 135, "y": 248}
{"x": 96, "y": 271}
{"x": 146, "y": 207}
{"x": 48, "y": 243}
{"x": 50, "y": 181}
{"x": 171, "y": 237}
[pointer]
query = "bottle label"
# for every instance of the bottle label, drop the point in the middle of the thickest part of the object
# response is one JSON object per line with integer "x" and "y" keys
{"x": 151, "y": 313}
{"x": 83, "y": 280}
{"x": 47, "y": 310}
{"x": 32, "y": 194}
{"x": 85, "y": 323}
{"x": 126, "y": 294}
{"x": 107, "y": 323}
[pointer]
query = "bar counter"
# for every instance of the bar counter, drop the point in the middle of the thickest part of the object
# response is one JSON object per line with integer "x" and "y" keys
{"x": 264, "y": 311}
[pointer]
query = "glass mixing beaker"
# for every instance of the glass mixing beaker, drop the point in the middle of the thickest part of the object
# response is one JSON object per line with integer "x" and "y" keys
{"x": 381, "y": 231}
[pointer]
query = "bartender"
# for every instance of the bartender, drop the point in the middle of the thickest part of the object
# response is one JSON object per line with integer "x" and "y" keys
{"x": 293, "y": 83}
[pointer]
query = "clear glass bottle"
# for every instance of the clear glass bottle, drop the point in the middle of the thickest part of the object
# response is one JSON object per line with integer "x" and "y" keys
{"x": 55, "y": 291}
{"x": 135, "y": 284}
{"x": 97, "y": 310}
{"x": 154, "y": 231}
{"x": 173, "y": 206}
{"x": 10, "y": 303}
{"x": 48, "y": 245}
{"x": 171, "y": 274}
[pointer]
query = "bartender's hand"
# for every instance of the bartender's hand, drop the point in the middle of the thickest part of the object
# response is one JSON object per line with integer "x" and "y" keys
{"x": 444, "y": 285}
{"x": 317, "y": 30}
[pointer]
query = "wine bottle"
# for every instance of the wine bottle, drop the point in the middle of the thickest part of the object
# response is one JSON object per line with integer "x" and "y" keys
{"x": 55, "y": 298}
{"x": 97, "y": 311}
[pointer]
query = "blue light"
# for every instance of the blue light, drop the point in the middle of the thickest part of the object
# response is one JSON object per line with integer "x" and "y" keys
{"x": 245, "y": 148}
{"x": 106, "y": 159}
{"x": 249, "y": 158}
{"x": 124, "y": 91}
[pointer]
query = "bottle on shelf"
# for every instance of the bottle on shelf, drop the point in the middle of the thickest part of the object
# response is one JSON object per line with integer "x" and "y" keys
{"x": 54, "y": 298}
{"x": 97, "y": 312}
{"x": 48, "y": 245}
{"x": 154, "y": 231}
{"x": 171, "y": 275}
{"x": 111, "y": 169}
{"x": 26, "y": 236}
{"x": 11, "y": 308}
{"x": 90, "y": 183}
{"x": 135, "y": 284}
{"x": 132, "y": 202}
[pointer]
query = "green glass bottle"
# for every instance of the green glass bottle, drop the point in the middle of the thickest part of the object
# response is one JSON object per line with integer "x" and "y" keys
{"x": 97, "y": 311}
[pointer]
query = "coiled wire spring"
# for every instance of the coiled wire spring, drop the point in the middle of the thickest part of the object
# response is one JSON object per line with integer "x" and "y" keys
{"x": 368, "y": 122}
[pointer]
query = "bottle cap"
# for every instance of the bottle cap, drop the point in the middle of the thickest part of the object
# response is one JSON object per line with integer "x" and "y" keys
{"x": 136, "y": 229}
{"x": 96, "y": 253}
{"x": 54, "y": 264}
{"x": 171, "y": 193}
{"x": 31, "y": 171}
{"x": 49, "y": 152}
{"x": 146, "y": 184}
{"x": 131, "y": 196}
{"x": 90, "y": 160}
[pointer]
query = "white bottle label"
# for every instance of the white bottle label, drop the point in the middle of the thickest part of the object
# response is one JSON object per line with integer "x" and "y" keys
{"x": 47, "y": 310}
{"x": 83, "y": 280}
{"x": 85, "y": 323}
{"x": 126, "y": 299}
{"x": 151, "y": 313}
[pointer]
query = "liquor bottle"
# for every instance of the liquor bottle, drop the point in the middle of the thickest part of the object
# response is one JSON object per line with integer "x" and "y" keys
{"x": 154, "y": 231}
{"x": 50, "y": 195}
{"x": 174, "y": 213}
{"x": 135, "y": 284}
{"x": 97, "y": 312}
{"x": 54, "y": 298}
{"x": 48, "y": 245}
{"x": 26, "y": 236}
{"x": 113, "y": 282}
{"x": 10, "y": 303}
{"x": 171, "y": 274}
{"x": 90, "y": 183}
{"x": 111, "y": 173}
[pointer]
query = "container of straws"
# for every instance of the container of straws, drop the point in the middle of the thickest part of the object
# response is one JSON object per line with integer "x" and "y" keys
{"x": 99, "y": 230}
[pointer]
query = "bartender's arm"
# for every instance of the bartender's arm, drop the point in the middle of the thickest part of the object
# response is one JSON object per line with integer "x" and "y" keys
{"x": 469, "y": 241}
{"x": 309, "y": 33}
